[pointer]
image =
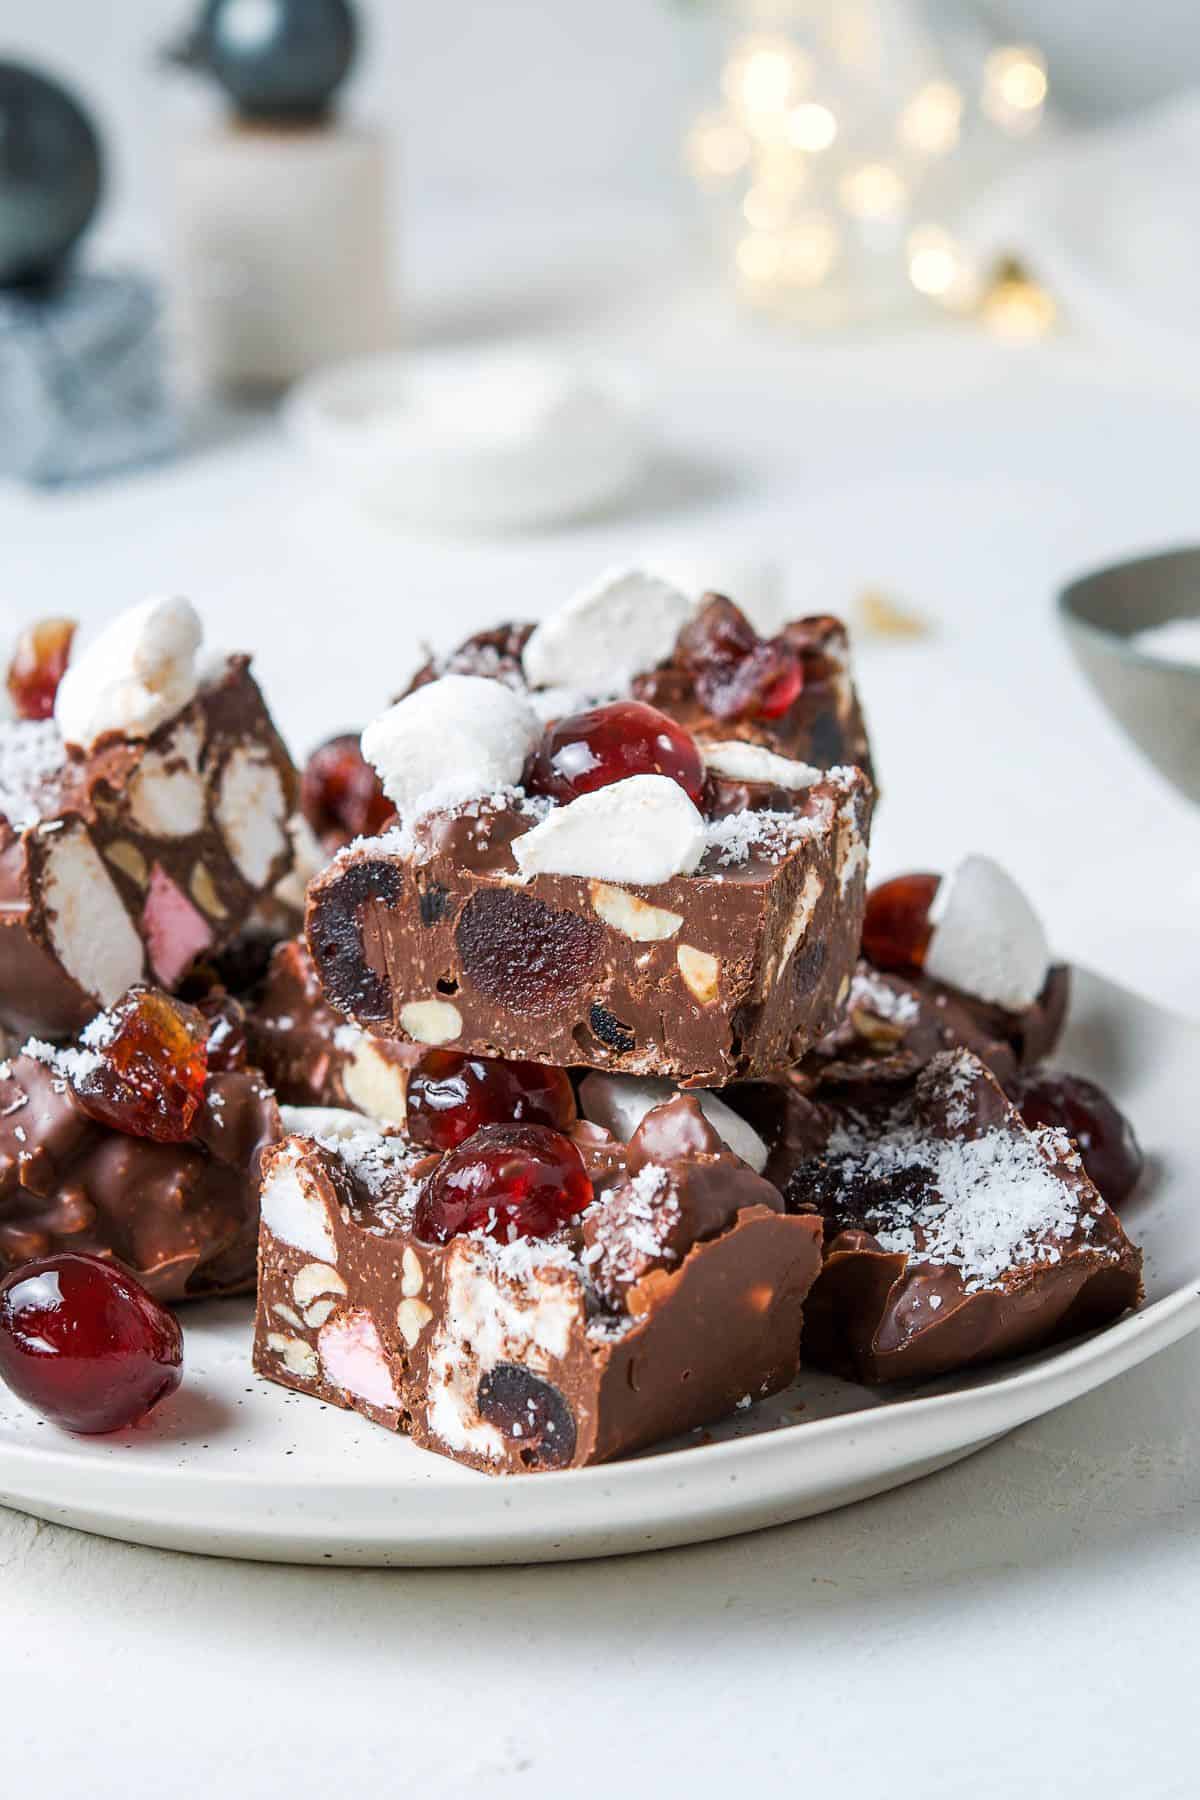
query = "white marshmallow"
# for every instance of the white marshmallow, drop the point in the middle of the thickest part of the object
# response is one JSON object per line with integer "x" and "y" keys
{"x": 330, "y": 1122}
{"x": 450, "y": 741}
{"x": 626, "y": 623}
{"x": 136, "y": 674}
{"x": 294, "y": 1214}
{"x": 621, "y": 1102}
{"x": 987, "y": 940}
{"x": 642, "y": 830}
{"x": 750, "y": 762}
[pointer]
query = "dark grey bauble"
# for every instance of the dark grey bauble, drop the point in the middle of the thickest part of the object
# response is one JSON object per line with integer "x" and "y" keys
{"x": 276, "y": 59}
{"x": 49, "y": 175}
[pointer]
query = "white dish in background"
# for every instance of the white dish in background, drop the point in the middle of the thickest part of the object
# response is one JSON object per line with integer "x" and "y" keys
{"x": 234, "y": 1466}
{"x": 471, "y": 440}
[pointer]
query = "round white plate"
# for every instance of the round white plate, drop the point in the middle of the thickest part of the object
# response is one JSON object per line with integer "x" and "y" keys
{"x": 234, "y": 1466}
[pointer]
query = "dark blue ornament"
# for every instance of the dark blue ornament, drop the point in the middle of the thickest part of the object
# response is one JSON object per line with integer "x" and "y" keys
{"x": 276, "y": 59}
{"x": 49, "y": 175}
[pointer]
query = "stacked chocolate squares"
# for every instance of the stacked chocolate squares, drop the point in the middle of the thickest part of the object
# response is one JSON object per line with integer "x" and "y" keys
{"x": 145, "y": 800}
{"x": 605, "y": 1101}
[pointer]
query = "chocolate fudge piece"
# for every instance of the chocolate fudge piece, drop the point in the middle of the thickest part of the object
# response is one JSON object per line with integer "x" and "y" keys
{"x": 894, "y": 1024}
{"x": 432, "y": 934}
{"x": 676, "y": 1297}
{"x": 310, "y": 1055}
{"x": 130, "y": 860}
{"x": 793, "y": 694}
{"x": 182, "y": 1216}
{"x": 954, "y": 1234}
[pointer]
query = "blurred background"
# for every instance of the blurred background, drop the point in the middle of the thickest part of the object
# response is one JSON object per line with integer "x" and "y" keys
{"x": 367, "y": 326}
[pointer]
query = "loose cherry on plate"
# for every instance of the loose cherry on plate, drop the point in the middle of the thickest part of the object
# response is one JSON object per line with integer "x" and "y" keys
{"x": 84, "y": 1344}
{"x": 896, "y": 928}
{"x": 150, "y": 1067}
{"x": 450, "y": 1096}
{"x": 340, "y": 794}
{"x": 39, "y": 662}
{"x": 591, "y": 750}
{"x": 1111, "y": 1153}
{"x": 510, "y": 1181}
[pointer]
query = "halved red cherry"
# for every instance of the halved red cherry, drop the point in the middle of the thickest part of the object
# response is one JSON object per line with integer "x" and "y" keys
{"x": 451, "y": 1096}
{"x": 39, "y": 662}
{"x": 510, "y": 1181}
{"x": 84, "y": 1344}
{"x": 736, "y": 673}
{"x": 340, "y": 793}
{"x": 148, "y": 1066}
{"x": 593, "y": 749}
{"x": 1107, "y": 1144}
{"x": 896, "y": 927}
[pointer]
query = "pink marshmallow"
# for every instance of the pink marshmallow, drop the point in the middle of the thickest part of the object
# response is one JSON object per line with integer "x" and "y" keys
{"x": 352, "y": 1358}
{"x": 175, "y": 933}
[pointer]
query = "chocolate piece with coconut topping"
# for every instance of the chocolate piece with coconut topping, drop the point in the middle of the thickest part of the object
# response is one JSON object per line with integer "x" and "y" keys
{"x": 953, "y": 1234}
{"x": 677, "y": 1292}
{"x": 131, "y": 859}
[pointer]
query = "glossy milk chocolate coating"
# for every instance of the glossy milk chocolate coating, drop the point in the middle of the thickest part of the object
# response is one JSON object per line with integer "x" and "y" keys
{"x": 179, "y": 835}
{"x": 735, "y": 970}
{"x": 678, "y": 1295}
{"x": 311, "y": 1055}
{"x": 953, "y": 1234}
{"x": 183, "y": 1217}
{"x": 895, "y": 1023}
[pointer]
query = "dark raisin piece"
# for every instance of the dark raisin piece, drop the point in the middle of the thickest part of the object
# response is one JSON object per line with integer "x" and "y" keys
{"x": 530, "y": 1412}
{"x": 433, "y": 903}
{"x": 525, "y": 955}
{"x": 335, "y": 938}
{"x": 609, "y": 1029}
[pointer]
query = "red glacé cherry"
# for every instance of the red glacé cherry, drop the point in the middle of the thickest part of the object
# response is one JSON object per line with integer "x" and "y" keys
{"x": 85, "y": 1345}
{"x": 736, "y": 673}
{"x": 896, "y": 928}
{"x": 38, "y": 664}
{"x": 593, "y": 749}
{"x": 340, "y": 793}
{"x": 510, "y": 1181}
{"x": 450, "y": 1096}
{"x": 151, "y": 1067}
{"x": 1112, "y": 1156}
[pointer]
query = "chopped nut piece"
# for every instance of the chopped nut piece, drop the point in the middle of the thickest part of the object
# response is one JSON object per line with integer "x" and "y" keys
{"x": 204, "y": 892}
{"x": 431, "y": 1021}
{"x": 701, "y": 972}
{"x": 879, "y": 616}
{"x": 634, "y": 918}
{"x": 316, "y": 1278}
{"x": 412, "y": 1316}
{"x": 294, "y": 1353}
{"x": 414, "y": 1276}
{"x": 129, "y": 859}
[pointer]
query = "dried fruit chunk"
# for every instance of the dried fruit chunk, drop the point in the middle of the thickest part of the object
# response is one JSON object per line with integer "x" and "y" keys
{"x": 1106, "y": 1140}
{"x": 593, "y": 749}
{"x": 896, "y": 927}
{"x": 85, "y": 1345}
{"x": 736, "y": 673}
{"x": 340, "y": 793}
{"x": 451, "y": 1096}
{"x": 526, "y": 955}
{"x": 39, "y": 661}
{"x": 529, "y": 1411}
{"x": 147, "y": 1070}
{"x": 510, "y": 1181}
